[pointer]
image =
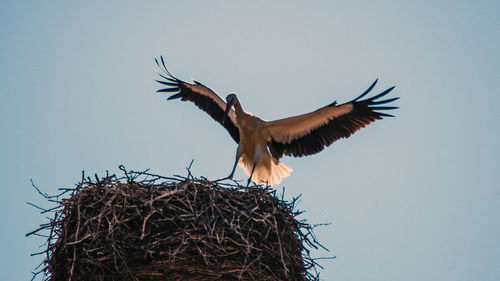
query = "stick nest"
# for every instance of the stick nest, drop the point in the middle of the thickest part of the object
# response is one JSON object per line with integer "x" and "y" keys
{"x": 148, "y": 227}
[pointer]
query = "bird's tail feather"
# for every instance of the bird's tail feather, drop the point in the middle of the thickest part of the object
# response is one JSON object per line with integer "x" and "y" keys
{"x": 269, "y": 171}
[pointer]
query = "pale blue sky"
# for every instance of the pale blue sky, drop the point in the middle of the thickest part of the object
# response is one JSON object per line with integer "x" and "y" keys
{"x": 416, "y": 197}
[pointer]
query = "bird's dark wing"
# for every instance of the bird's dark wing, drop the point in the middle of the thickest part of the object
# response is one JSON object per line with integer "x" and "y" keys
{"x": 310, "y": 133}
{"x": 202, "y": 96}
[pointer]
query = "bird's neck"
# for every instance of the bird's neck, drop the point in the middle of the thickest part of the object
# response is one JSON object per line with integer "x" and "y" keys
{"x": 238, "y": 110}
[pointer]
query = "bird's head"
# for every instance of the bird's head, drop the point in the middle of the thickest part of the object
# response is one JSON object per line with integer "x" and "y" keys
{"x": 230, "y": 100}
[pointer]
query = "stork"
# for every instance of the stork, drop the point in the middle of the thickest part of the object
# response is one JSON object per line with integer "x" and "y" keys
{"x": 261, "y": 144}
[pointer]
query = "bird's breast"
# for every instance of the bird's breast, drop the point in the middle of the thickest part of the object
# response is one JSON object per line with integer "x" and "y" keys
{"x": 251, "y": 134}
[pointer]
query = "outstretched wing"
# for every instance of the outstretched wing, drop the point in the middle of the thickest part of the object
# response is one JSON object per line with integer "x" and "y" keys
{"x": 202, "y": 96}
{"x": 310, "y": 133}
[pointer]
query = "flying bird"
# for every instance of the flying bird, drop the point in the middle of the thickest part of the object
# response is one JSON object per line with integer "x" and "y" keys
{"x": 261, "y": 144}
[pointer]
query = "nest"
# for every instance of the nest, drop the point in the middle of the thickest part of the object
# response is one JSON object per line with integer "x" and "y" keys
{"x": 148, "y": 227}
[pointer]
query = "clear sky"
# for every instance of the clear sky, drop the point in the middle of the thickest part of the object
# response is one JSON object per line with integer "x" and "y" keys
{"x": 416, "y": 197}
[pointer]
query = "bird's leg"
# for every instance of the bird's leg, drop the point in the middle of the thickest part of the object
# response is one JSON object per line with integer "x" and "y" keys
{"x": 250, "y": 178}
{"x": 230, "y": 175}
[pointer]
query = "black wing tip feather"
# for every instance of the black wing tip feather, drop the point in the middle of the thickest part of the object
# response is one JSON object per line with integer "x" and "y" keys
{"x": 176, "y": 96}
{"x": 164, "y": 68}
{"x": 372, "y": 104}
{"x": 367, "y": 90}
{"x": 382, "y": 94}
{"x": 172, "y": 83}
{"x": 373, "y": 100}
{"x": 385, "y": 107}
{"x": 380, "y": 114}
{"x": 384, "y": 101}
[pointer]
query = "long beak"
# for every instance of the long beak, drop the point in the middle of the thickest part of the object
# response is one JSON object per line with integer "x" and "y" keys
{"x": 228, "y": 107}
